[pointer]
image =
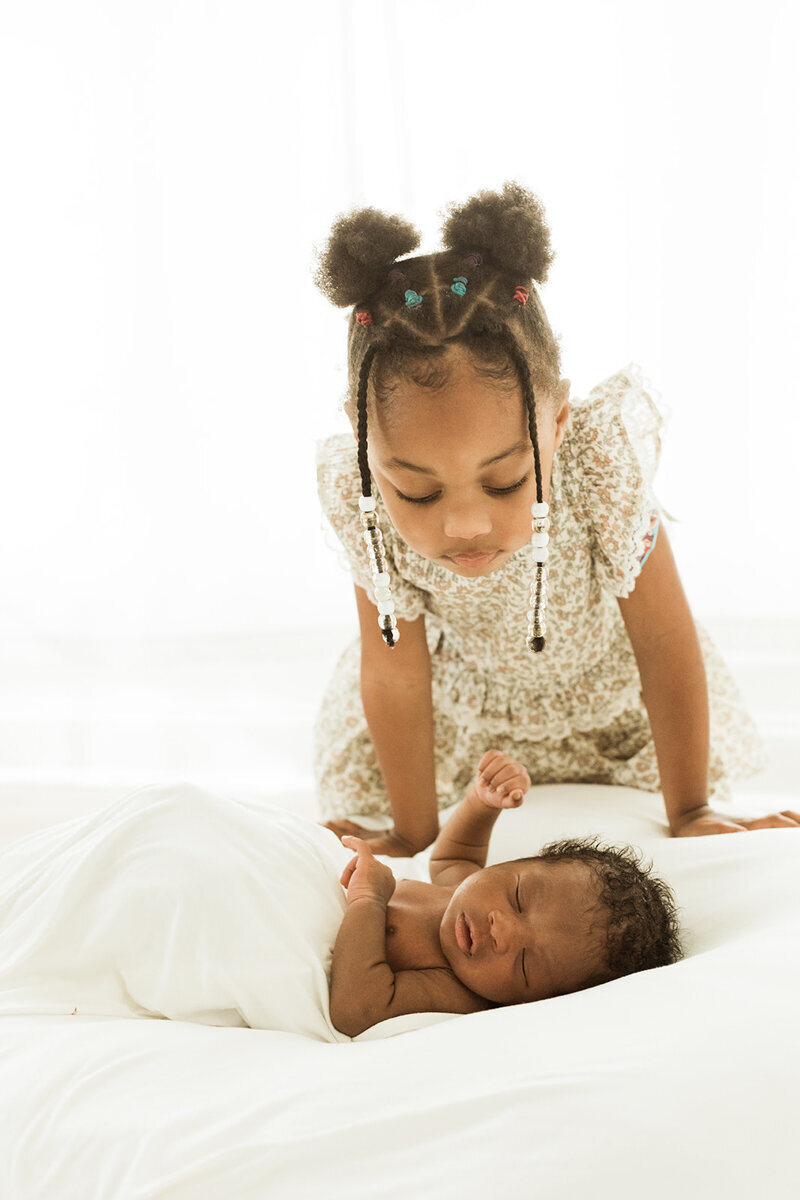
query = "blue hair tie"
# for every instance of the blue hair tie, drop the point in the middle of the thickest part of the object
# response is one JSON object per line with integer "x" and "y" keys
{"x": 459, "y": 285}
{"x": 413, "y": 299}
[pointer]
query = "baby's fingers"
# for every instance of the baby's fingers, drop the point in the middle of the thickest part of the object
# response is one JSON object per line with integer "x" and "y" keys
{"x": 356, "y": 843}
{"x": 509, "y": 782}
{"x": 347, "y": 873}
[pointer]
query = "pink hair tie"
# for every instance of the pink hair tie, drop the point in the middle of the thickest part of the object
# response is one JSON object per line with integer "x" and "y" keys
{"x": 521, "y": 294}
{"x": 363, "y": 317}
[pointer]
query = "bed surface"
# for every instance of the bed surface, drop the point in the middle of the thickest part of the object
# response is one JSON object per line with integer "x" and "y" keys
{"x": 675, "y": 1082}
{"x": 687, "y": 1073}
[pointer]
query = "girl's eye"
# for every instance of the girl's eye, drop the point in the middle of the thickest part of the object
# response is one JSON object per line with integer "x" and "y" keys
{"x": 519, "y": 904}
{"x": 506, "y": 491}
{"x": 419, "y": 499}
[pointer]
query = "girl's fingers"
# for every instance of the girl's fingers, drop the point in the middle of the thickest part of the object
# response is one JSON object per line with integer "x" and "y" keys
{"x": 782, "y": 820}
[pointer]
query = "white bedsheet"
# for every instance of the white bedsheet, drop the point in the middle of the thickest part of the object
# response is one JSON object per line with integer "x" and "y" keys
{"x": 680, "y": 1081}
{"x": 175, "y": 902}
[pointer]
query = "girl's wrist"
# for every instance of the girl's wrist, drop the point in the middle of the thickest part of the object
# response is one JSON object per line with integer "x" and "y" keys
{"x": 678, "y": 820}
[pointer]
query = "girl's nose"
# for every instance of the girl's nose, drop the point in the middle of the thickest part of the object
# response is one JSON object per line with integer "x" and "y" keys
{"x": 466, "y": 521}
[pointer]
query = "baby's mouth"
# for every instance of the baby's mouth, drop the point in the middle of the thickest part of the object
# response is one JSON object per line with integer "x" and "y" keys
{"x": 464, "y": 934}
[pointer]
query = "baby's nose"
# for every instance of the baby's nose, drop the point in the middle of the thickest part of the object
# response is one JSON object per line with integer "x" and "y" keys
{"x": 501, "y": 928}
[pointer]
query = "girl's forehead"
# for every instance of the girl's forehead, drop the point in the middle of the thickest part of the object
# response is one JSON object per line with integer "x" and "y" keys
{"x": 462, "y": 411}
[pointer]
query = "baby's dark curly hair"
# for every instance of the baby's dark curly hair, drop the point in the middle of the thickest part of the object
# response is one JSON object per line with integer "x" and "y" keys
{"x": 640, "y": 912}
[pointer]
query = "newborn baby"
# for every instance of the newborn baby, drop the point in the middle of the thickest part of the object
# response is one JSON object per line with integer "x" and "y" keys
{"x": 475, "y": 937}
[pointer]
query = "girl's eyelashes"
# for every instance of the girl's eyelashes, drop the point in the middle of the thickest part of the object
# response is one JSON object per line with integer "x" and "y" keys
{"x": 519, "y": 905}
{"x": 505, "y": 491}
{"x": 418, "y": 499}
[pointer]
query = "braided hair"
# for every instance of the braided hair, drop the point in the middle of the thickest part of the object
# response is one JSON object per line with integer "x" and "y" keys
{"x": 478, "y": 292}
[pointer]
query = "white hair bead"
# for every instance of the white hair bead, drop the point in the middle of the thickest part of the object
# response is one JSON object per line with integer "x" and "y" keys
{"x": 540, "y": 539}
{"x": 383, "y": 593}
{"x": 385, "y": 607}
{"x": 540, "y": 510}
{"x": 366, "y": 503}
{"x": 381, "y": 579}
{"x": 540, "y": 554}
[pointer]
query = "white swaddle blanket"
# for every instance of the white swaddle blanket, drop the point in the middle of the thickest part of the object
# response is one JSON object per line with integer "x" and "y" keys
{"x": 177, "y": 903}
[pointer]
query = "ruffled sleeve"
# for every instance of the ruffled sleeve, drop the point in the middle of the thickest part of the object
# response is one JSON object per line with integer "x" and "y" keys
{"x": 614, "y": 441}
{"x": 339, "y": 487}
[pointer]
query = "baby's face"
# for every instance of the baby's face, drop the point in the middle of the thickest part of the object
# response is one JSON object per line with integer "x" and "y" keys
{"x": 455, "y": 466}
{"x": 524, "y": 931}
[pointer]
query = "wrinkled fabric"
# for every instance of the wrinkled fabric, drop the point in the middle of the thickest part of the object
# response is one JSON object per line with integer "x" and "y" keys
{"x": 571, "y": 713}
{"x": 177, "y": 903}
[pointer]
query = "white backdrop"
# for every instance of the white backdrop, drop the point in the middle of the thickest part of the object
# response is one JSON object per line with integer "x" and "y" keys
{"x": 168, "y": 167}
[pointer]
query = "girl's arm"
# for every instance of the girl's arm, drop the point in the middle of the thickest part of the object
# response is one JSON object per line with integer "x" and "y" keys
{"x": 674, "y": 688}
{"x": 462, "y": 845}
{"x": 396, "y": 693}
{"x": 675, "y": 693}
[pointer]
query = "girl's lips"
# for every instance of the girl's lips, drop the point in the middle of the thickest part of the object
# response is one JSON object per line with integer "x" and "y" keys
{"x": 472, "y": 560}
{"x": 463, "y": 934}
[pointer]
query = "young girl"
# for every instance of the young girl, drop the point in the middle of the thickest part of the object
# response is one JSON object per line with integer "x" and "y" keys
{"x": 525, "y": 588}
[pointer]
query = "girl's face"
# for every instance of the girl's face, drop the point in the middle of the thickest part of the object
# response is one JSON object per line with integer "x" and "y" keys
{"x": 455, "y": 465}
{"x": 521, "y": 931}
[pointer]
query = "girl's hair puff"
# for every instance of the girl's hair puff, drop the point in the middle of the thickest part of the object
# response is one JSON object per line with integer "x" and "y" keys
{"x": 498, "y": 241}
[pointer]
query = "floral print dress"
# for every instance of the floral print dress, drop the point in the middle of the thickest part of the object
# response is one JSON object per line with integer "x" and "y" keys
{"x": 573, "y": 712}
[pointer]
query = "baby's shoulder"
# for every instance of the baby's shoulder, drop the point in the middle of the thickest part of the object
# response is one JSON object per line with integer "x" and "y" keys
{"x": 436, "y": 989}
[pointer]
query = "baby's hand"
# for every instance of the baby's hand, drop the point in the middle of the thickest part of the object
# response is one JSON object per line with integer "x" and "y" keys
{"x": 364, "y": 876}
{"x": 500, "y": 781}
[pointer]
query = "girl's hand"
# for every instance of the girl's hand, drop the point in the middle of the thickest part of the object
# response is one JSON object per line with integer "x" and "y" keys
{"x": 381, "y": 841}
{"x": 365, "y": 877}
{"x": 500, "y": 781}
{"x": 708, "y": 821}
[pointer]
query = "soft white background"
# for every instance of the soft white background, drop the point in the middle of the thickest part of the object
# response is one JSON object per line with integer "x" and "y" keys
{"x": 167, "y": 363}
{"x": 167, "y": 598}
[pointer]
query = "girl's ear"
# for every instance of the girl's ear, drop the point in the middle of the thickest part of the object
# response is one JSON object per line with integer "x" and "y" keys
{"x": 562, "y": 410}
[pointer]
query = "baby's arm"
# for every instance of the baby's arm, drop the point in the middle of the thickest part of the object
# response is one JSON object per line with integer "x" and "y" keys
{"x": 364, "y": 988}
{"x": 463, "y": 843}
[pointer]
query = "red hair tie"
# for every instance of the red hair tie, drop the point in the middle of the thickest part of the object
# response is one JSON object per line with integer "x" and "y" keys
{"x": 521, "y": 294}
{"x": 364, "y": 317}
